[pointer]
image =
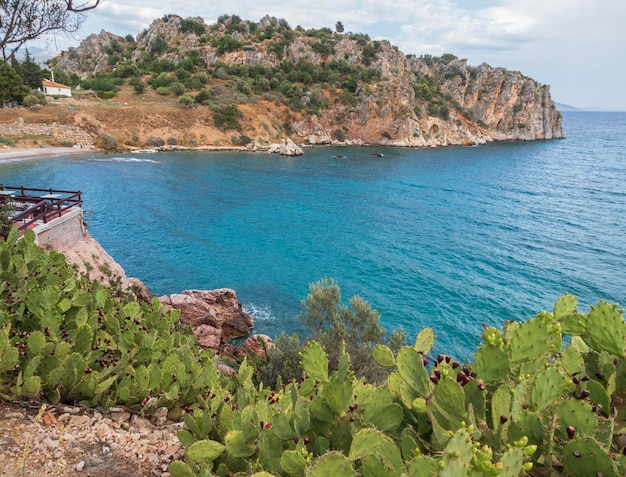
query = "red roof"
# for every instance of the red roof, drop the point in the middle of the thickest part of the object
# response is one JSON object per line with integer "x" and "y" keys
{"x": 54, "y": 84}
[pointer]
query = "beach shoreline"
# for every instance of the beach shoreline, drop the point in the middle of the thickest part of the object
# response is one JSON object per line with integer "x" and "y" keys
{"x": 32, "y": 153}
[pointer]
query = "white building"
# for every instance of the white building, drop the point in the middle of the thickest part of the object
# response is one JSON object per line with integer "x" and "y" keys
{"x": 55, "y": 89}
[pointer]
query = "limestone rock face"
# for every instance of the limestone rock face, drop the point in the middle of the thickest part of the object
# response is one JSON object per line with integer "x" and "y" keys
{"x": 215, "y": 316}
{"x": 412, "y": 102}
{"x": 509, "y": 105}
{"x": 90, "y": 57}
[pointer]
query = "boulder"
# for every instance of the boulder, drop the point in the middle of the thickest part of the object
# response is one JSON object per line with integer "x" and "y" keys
{"x": 208, "y": 336}
{"x": 140, "y": 289}
{"x": 193, "y": 310}
{"x": 215, "y": 316}
{"x": 257, "y": 345}
{"x": 286, "y": 148}
{"x": 225, "y": 307}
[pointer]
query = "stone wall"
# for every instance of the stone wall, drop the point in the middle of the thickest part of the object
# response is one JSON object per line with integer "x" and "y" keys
{"x": 62, "y": 132}
{"x": 61, "y": 232}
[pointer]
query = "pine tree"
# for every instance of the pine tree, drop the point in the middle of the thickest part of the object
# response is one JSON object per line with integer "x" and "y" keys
{"x": 30, "y": 71}
{"x": 12, "y": 86}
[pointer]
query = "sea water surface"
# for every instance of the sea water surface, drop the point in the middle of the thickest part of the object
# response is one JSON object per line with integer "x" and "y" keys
{"x": 447, "y": 238}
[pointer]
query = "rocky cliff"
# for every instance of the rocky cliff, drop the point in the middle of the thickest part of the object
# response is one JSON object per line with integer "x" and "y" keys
{"x": 337, "y": 88}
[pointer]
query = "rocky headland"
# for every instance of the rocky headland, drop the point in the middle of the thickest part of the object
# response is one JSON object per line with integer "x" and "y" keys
{"x": 264, "y": 85}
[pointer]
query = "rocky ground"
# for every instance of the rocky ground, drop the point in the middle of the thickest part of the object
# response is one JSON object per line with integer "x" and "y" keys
{"x": 36, "y": 440}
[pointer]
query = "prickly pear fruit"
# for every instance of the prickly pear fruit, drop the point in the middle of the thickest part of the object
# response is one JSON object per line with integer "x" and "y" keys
{"x": 571, "y": 431}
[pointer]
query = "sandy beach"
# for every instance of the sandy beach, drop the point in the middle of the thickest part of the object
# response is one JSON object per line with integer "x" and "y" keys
{"x": 26, "y": 154}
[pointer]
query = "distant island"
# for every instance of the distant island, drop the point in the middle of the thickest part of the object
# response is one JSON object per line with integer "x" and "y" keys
{"x": 567, "y": 107}
{"x": 238, "y": 83}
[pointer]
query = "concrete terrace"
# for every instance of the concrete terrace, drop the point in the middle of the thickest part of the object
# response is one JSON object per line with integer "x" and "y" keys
{"x": 55, "y": 216}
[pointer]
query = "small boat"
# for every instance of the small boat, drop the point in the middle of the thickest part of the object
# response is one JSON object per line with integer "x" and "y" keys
{"x": 143, "y": 151}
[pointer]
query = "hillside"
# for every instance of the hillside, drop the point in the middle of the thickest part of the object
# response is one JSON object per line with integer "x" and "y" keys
{"x": 183, "y": 82}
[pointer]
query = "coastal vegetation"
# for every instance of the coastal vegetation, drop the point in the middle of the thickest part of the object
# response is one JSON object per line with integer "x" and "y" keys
{"x": 543, "y": 396}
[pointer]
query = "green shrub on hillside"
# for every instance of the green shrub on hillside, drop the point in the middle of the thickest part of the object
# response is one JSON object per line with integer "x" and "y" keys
{"x": 152, "y": 141}
{"x": 106, "y": 94}
{"x": 35, "y": 97}
{"x": 226, "y": 117}
{"x": 186, "y": 100}
{"x": 108, "y": 142}
{"x": 329, "y": 322}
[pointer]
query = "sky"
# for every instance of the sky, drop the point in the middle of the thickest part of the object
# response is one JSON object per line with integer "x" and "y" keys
{"x": 578, "y": 47}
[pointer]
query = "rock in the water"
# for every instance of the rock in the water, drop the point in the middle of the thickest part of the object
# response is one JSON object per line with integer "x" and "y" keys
{"x": 193, "y": 310}
{"x": 215, "y": 316}
{"x": 286, "y": 148}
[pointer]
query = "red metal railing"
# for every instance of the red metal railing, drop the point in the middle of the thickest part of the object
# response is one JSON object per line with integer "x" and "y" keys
{"x": 33, "y": 206}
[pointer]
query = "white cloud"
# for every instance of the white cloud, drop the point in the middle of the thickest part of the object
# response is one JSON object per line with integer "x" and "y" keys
{"x": 570, "y": 44}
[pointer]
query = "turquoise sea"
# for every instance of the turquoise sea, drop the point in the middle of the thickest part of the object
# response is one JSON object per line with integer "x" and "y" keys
{"x": 448, "y": 238}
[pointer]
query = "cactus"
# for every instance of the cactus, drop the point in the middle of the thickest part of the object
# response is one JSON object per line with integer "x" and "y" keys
{"x": 546, "y": 388}
{"x": 380, "y": 410}
{"x": 205, "y": 451}
{"x": 181, "y": 469}
{"x": 332, "y": 464}
{"x": 576, "y": 414}
{"x": 525, "y": 424}
{"x": 475, "y": 397}
{"x": 572, "y": 322}
{"x": 411, "y": 368}
{"x": 238, "y": 444}
{"x": 491, "y": 363}
{"x": 460, "y": 447}
{"x": 501, "y": 404}
{"x": 338, "y": 394}
{"x": 424, "y": 341}
{"x": 599, "y": 396}
{"x": 383, "y": 356}
{"x": 315, "y": 362}
{"x": 448, "y": 404}
{"x": 586, "y": 457}
{"x": 423, "y": 465}
{"x": 366, "y": 442}
{"x": 376, "y": 450}
{"x": 293, "y": 462}
{"x": 571, "y": 360}
{"x": 606, "y": 329}
{"x": 530, "y": 340}
{"x": 512, "y": 461}
{"x": 389, "y": 418}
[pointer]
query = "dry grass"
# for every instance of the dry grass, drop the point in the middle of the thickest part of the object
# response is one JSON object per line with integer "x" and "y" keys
{"x": 132, "y": 118}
